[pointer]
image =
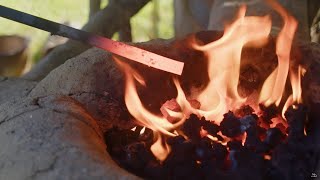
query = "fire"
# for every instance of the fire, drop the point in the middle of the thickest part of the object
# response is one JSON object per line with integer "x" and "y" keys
{"x": 273, "y": 88}
{"x": 224, "y": 56}
{"x": 160, "y": 149}
{"x": 147, "y": 119}
{"x": 221, "y": 93}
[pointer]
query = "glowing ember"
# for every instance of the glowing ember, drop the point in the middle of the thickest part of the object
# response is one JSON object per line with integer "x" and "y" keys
{"x": 221, "y": 93}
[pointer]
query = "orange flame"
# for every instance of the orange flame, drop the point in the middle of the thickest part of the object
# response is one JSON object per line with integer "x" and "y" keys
{"x": 273, "y": 87}
{"x": 221, "y": 93}
{"x": 141, "y": 114}
{"x": 135, "y": 106}
{"x": 295, "y": 79}
{"x": 224, "y": 56}
{"x": 159, "y": 149}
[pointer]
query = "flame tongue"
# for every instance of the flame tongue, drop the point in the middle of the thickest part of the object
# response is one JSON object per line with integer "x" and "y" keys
{"x": 278, "y": 78}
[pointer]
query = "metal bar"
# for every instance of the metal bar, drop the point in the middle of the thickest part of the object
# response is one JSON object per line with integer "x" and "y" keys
{"x": 133, "y": 53}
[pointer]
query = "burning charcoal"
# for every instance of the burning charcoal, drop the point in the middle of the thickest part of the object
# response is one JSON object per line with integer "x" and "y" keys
{"x": 244, "y": 111}
{"x": 212, "y": 170}
{"x": 123, "y": 136}
{"x": 268, "y": 112}
{"x": 187, "y": 170}
{"x": 170, "y": 105}
{"x": 274, "y": 136}
{"x": 232, "y": 157}
{"x": 262, "y": 132}
{"x": 220, "y": 138}
{"x": 282, "y": 128}
{"x": 192, "y": 127}
{"x": 295, "y": 160}
{"x": 248, "y": 121}
{"x": 136, "y": 156}
{"x": 194, "y": 103}
{"x": 116, "y": 139}
{"x": 262, "y": 148}
{"x": 210, "y": 127}
{"x": 220, "y": 152}
{"x": 313, "y": 125}
{"x": 252, "y": 139}
{"x": 181, "y": 153}
{"x": 137, "y": 129}
{"x": 154, "y": 170}
{"x": 181, "y": 162}
{"x": 247, "y": 163}
{"x": 176, "y": 140}
{"x": 211, "y": 165}
{"x": 234, "y": 145}
{"x": 272, "y": 172}
{"x": 296, "y": 118}
{"x": 203, "y": 150}
{"x": 230, "y": 125}
{"x": 146, "y": 136}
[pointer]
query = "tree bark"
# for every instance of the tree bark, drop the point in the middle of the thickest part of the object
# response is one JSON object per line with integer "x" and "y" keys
{"x": 155, "y": 19}
{"x": 115, "y": 15}
{"x": 313, "y": 8}
{"x": 94, "y": 7}
{"x": 125, "y": 34}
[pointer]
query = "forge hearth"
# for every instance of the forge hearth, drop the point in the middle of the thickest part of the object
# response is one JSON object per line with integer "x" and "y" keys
{"x": 56, "y": 127}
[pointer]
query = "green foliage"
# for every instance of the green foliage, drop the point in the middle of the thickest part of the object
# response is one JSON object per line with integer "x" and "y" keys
{"x": 142, "y": 23}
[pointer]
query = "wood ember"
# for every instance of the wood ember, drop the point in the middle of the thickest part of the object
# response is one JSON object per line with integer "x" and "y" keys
{"x": 296, "y": 117}
{"x": 268, "y": 113}
{"x": 243, "y": 111}
{"x": 171, "y": 105}
{"x": 210, "y": 127}
{"x": 314, "y": 123}
{"x": 230, "y": 125}
{"x": 192, "y": 128}
{"x": 274, "y": 137}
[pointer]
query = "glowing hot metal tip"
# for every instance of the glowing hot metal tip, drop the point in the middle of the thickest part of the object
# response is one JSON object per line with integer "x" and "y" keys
{"x": 139, "y": 55}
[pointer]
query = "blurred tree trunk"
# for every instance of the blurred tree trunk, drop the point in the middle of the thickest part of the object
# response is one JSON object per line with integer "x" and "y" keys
{"x": 313, "y": 8}
{"x": 105, "y": 22}
{"x": 314, "y": 20}
{"x": 125, "y": 34}
{"x": 191, "y": 16}
{"x": 94, "y": 7}
{"x": 155, "y": 19}
{"x": 315, "y": 28}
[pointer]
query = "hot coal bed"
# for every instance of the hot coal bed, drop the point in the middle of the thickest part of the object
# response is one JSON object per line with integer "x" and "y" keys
{"x": 251, "y": 151}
